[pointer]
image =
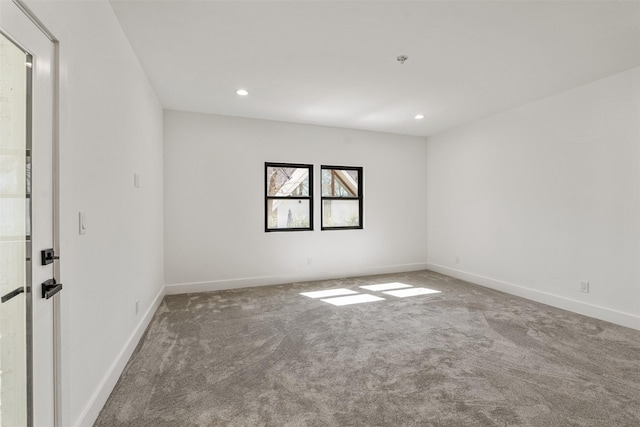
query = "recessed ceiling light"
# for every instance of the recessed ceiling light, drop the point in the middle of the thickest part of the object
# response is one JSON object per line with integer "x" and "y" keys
{"x": 242, "y": 92}
{"x": 419, "y": 116}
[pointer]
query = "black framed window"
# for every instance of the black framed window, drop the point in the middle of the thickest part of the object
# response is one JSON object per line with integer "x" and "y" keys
{"x": 288, "y": 197}
{"x": 342, "y": 204}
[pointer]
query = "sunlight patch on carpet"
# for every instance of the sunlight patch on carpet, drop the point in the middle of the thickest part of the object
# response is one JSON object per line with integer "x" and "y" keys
{"x": 386, "y": 286}
{"x": 353, "y": 299}
{"x": 328, "y": 293}
{"x": 412, "y": 292}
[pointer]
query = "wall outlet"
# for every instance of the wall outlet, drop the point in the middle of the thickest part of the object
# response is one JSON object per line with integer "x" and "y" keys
{"x": 137, "y": 307}
{"x": 136, "y": 180}
{"x": 584, "y": 287}
{"x": 309, "y": 261}
{"x": 457, "y": 260}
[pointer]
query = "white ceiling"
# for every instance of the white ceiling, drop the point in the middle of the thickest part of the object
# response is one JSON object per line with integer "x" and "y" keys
{"x": 334, "y": 63}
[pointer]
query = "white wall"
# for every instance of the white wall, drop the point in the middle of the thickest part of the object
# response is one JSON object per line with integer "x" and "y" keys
{"x": 111, "y": 127}
{"x": 532, "y": 200}
{"x": 538, "y": 198}
{"x": 212, "y": 162}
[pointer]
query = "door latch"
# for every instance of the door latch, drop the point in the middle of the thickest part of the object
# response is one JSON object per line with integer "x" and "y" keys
{"x": 48, "y": 256}
{"x": 50, "y": 288}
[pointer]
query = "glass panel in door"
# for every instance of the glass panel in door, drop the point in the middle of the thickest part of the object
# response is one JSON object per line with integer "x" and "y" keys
{"x": 15, "y": 224}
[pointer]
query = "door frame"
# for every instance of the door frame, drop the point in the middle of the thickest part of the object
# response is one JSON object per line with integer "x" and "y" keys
{"x": 55, "y": 141}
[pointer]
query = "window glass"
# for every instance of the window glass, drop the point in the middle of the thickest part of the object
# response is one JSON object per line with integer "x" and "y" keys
{"x": 287, "y": 181}
{"x": 288, "y": 214}
{"x": 340, "y": 213}
{"x": 340, "y": 183}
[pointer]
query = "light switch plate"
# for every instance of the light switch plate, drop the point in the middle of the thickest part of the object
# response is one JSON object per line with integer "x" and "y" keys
{"x": 82, "y": 222}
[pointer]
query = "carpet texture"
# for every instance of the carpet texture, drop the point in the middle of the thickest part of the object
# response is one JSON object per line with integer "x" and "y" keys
{"x": 467, "y": 356}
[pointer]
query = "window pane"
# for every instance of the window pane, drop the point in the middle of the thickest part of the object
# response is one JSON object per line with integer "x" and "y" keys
{"x": 340, "y": 213}
{"x": 339, "y": 183}
{"x": 285, "y": 182}
{"x": 287, "y": 213}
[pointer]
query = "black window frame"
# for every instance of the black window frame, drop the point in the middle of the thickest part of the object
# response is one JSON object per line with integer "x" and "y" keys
{"x": 360, "y": 197}
{"x": 267, "y": 165}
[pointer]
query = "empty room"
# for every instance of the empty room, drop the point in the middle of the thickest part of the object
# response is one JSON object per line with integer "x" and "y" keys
{"x": 319, "y": 213}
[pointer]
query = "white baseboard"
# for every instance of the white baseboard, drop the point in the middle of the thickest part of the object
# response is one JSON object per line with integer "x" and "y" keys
{"x": 94, "y": 406}
{"x": 247, "y": 282}
{"x": 618, "y": 317}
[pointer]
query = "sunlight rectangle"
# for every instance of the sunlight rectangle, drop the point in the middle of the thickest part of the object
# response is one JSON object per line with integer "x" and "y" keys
{"x": 328, "y": 293}
{"x": 353, "y": 299}
{"x": 411, "y": 292}
{"x": 386, "y": 286}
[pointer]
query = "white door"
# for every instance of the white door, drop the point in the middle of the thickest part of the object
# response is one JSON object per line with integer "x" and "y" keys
{"x": 27, "y": 357}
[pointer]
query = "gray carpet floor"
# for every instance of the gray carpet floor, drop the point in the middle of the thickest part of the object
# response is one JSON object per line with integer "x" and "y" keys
{"x": 466, "y": 356}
